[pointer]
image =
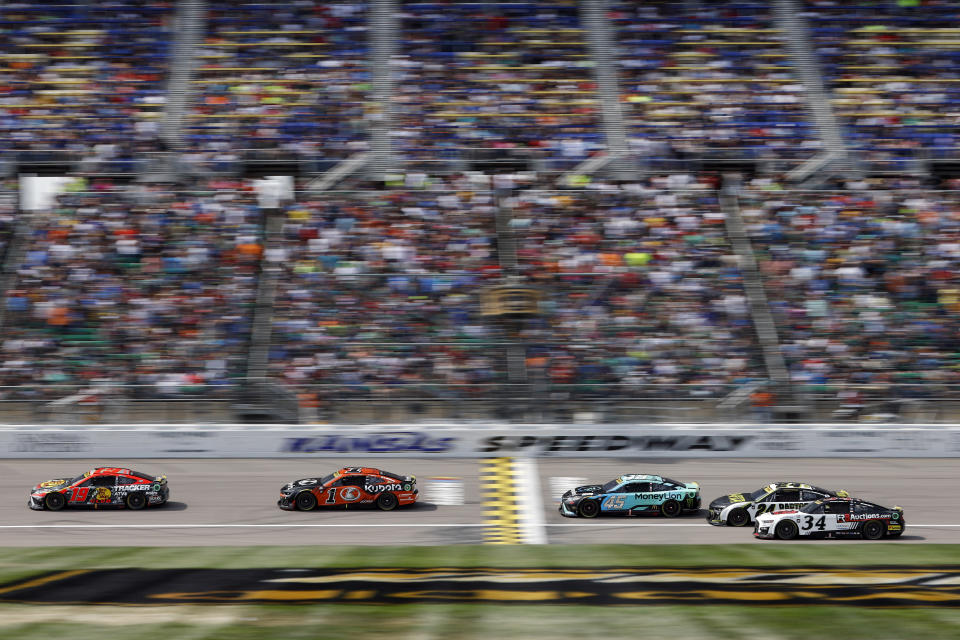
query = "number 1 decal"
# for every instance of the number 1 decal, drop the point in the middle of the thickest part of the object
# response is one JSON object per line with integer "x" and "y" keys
{"x": 331, "y": 495}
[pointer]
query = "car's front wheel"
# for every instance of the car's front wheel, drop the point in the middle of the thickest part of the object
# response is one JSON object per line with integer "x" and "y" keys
{"x": 872, "y": 530}
{"x": 136, "y": 501}
{"x": 387, "y": 501}
{"x": 306, "y": 501}
{"x": 787, "y": 530}
{"x": 738, "y": 518}
{"x": 54, "y": 501}
{"x": 670, "y": 509}
{"x": 589, "y": 509}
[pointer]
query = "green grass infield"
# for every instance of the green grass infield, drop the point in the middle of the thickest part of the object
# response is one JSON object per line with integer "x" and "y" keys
{"x": 462, "y": 621}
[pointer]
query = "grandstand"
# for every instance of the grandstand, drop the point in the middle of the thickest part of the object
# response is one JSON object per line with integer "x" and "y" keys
{"x": 720, "y": 210}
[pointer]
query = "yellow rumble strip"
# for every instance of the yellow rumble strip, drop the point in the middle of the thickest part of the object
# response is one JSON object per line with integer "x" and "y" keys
{"x": 497, "y": 486}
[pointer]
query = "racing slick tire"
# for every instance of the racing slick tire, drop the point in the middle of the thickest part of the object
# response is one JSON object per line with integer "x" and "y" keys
{"x": 588, "y": 509}
{"x": 738, "y": 518}
{"x": 54, "y": 501}
{"x": 872, "y": 530}
{"x": 387, "y": 501}
{"x": 670, "y": 509}
{"x": 135, "y": 501}
{"x": 306, "y": 501}
{"x": 787, "y": 530}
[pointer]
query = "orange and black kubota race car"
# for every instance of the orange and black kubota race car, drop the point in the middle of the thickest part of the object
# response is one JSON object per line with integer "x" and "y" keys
{"x": 350, "y": 486}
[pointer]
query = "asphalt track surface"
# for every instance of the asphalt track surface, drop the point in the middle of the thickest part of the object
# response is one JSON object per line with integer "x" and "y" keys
{"x": 233, "y": 502}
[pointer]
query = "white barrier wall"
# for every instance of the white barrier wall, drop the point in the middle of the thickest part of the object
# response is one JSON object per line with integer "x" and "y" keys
{"x": 458, "y": 441}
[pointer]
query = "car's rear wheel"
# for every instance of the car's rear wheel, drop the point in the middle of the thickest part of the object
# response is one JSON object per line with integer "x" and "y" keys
{"x": 387, "y": 501}
{"x": 787, "y": 530}
{"x": 136, "y": 501}
{"x": 738, "y": 518}
{"x": 872, "y": 530}
{"x": 670, "y": 509}
{"x": 306, "y": 501}
{"x": 54, "y": 501}
{"x": 589, "y": 509}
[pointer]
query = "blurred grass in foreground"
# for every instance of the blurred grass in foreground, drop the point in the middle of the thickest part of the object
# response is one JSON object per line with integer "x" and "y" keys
{"x": 473, "y": 622}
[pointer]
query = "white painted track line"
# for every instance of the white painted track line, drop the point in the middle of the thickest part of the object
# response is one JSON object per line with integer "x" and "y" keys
{"x": 374, "y": 524}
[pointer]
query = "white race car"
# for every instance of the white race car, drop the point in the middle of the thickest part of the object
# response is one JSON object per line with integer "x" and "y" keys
{"x": 740, "y": 509}
{"x": 832, "y": 518}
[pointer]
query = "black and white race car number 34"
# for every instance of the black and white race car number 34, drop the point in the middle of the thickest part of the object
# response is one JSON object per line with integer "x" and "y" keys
{"x": 809, "y": 522}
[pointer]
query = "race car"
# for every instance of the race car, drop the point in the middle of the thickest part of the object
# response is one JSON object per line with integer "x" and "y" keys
{"x": 833, "y": 518}
{"x": 102, "y": 486}
{"x": 350, "y": 486}
{"x": 632, "y": 494}
{"x": 740, "y": 509}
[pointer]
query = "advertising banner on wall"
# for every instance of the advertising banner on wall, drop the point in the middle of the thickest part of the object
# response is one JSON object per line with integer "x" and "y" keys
{"x": 671, "y": 441}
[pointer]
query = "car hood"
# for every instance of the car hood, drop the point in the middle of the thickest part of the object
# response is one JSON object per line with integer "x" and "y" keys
{"x": 52, "y": 485}
{"x": 585, "y": 490}
{"x": 302, "y": 483}
{"x": 731, "y": 498}
{"x": 776, "y": 515}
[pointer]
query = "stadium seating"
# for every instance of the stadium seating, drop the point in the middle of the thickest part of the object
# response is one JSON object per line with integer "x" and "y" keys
{"x": 519, "y": 83}
{"x": 83, "y": 81}
{"x": 280, "y": 80}
{"x": 700, "y": 78}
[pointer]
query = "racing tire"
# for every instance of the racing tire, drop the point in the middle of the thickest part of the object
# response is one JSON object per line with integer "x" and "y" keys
{"x": 54, "y": 501}
{"x": 135, "y": 501}
{"x": 306, "y": 501}
{"x": 787, "y": 530}
{"x": 387, "y": 501}
{"x": 872, "y": 530}
{"x": 670, "y": 509}
{"x": 588, "y": 509}
{"x": 738, "y": 518}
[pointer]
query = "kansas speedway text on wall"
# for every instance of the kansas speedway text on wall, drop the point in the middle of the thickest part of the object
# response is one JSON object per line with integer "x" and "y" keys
{"x": 458, "y": 441}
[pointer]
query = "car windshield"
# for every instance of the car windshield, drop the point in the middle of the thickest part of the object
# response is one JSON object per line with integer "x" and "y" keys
{"x": 85, "y": 474}
{"x": 610, "y": 486}
{"x": 813, "y": 507}
{"x": 759, "y": 493}
{"x": 327, "y": 478}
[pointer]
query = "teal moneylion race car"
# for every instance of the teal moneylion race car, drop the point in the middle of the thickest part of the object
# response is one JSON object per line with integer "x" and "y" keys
{"x": 632, "y": 494}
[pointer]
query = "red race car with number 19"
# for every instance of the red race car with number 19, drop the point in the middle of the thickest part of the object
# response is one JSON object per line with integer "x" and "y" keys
{"x": 350, "y": 486}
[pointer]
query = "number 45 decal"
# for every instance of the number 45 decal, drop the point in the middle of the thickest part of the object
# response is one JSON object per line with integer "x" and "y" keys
{"x": 808, "y": 523}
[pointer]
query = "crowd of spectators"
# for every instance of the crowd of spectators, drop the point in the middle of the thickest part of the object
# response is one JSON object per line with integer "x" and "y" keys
{"x": 517, "y": 82}
{"x": 83, "y": 81}
{"x": 892, "y": 70}
{"x": 709, "y": 77}
{"x": 864, "y": 285}
{"x": 281, "y": 80}
{"x": 639, "y": 286}
{"x": 136, "y": 285}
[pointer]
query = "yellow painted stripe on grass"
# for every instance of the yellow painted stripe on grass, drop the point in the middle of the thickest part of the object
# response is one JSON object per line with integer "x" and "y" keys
{"x": 498, "y": 488}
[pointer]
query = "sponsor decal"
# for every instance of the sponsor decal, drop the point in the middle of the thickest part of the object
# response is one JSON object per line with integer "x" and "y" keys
{"x": 760, "y": 586}
{"x": 59, "y": 442}
{"x": 854, "y": 517}
{"x": 52, "y": 483}
{"x": 102, "y": 495}
{"x": 349, "y": 494}
{"x": 379, "y": 488}
{"x": 392, "y": 442}
{"x": 607, "y": 443}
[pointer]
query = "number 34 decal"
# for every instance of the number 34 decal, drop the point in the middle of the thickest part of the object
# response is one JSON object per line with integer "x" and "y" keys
{"x": 808, "y": 523}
